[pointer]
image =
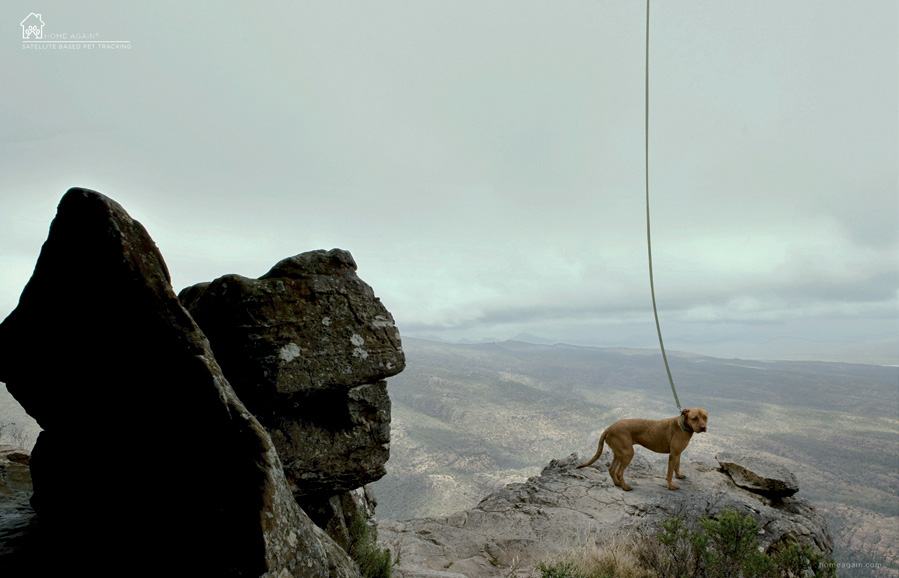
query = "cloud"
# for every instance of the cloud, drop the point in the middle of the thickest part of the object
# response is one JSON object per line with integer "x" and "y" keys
{"x": 484, "y": 163}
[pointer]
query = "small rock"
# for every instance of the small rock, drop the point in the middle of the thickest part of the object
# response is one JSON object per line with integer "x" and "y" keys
{"x": 14, "y": 474}
{"x": 759, "y": 475}
{"x": 19, "y": 457}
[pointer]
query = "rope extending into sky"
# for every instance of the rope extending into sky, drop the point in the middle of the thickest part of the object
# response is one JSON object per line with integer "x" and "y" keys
{"x": 652, "y": 285}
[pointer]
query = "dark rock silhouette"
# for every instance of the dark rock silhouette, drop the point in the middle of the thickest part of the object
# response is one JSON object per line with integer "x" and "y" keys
{"x": 101, "y": 352}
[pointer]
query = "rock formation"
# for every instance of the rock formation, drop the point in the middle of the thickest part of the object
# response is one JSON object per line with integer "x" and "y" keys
{"x": 565, "y": 508}
{"x": 307, "y": 347}
{"x": 101, "y": 352}
{"x": 247, "y": 454}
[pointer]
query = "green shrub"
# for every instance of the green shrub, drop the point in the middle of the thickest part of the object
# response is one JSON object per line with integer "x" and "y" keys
{"x": 564, "y": 569}
{"x": 374, "y": 562}
{"x": 795, "y": 560}
{"x": 682, "y": 550}
{"x": 732, "y": 545}
{"x": 726, "y": 546}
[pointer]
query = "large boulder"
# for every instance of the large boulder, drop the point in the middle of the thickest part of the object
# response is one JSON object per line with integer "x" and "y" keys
{"x": 307, "y": 347}
{"x": 758, "y": 474}
{"x": 308, "y": 325}
{"x": 101, "y": 352}
{"x": 522, "y": 524}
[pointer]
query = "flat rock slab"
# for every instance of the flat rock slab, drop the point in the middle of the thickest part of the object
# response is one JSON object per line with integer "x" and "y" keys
{"x": 513, "y": 529}
{"x": 757, "y": 474}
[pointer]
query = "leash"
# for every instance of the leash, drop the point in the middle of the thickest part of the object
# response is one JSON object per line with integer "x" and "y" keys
{"x": 652, "y": 286}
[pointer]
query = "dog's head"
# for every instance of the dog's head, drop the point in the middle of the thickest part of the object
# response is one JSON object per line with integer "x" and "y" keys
{"x": 697, "y": 418}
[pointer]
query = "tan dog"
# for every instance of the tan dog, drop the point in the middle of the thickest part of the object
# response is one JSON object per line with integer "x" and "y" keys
{"x": 664, "y": 436}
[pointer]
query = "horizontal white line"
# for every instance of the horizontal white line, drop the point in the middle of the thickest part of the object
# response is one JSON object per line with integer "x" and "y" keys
{"x": 76, "y": 41}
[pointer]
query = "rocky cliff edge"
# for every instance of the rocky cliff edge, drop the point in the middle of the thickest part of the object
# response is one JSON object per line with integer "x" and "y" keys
{"x": 565, "y": 508}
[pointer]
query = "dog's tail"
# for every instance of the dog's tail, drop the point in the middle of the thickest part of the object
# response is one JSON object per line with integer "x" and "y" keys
{"x": 602, "y": 440}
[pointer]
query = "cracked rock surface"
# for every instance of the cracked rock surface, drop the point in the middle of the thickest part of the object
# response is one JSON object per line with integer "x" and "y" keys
{"x": 307, "y": 347}
{"x": 564, "y": 508}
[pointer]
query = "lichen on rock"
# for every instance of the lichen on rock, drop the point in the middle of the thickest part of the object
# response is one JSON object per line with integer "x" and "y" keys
{"x": 308, "y": 347}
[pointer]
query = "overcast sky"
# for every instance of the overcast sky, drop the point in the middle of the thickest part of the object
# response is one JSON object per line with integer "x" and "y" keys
{"x": 483, "y": 160}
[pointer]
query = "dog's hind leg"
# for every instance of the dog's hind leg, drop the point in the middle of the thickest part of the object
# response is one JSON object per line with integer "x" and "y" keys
{"x": 613, "y": 469}
{"x": 626, "y": 458}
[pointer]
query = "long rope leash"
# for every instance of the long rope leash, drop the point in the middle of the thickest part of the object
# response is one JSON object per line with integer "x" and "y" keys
{"x": 652, "y": 286}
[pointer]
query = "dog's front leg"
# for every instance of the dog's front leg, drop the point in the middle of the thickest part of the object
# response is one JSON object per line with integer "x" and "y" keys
{"x": 672, "y": 464}
{"x": 677, "y": 473}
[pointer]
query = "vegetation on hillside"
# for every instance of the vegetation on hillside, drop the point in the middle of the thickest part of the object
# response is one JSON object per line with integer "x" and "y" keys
{"x": 374, "y": 562}
{"x": 722, "y": 547}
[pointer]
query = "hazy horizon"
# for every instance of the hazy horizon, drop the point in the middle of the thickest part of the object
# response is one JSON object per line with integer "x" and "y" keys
{"x": 649, "y": 349}
{"x": 483, "y": 163}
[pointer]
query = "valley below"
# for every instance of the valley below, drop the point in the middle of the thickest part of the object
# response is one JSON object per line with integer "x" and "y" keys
{"x": 470, "y": 418}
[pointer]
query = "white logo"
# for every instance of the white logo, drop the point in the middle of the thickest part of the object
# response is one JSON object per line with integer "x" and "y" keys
{"x": 32, "y": 27}
{"x": 36, "y": 39}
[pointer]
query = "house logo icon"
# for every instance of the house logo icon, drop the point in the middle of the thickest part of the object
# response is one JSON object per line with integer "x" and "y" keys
{"x": 32, "y": 27}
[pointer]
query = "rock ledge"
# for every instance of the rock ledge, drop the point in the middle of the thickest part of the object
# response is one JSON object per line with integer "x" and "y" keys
{"x": 564, "y": 508}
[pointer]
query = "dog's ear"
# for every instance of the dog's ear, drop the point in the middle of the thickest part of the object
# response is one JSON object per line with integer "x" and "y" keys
{"x": 684, "y": 411}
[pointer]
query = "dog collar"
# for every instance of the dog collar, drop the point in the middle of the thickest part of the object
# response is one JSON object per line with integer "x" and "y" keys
{"x": 684, "y": 426}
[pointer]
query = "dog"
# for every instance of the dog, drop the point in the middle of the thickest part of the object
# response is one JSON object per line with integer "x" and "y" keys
{"x": 665, "y": 436}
